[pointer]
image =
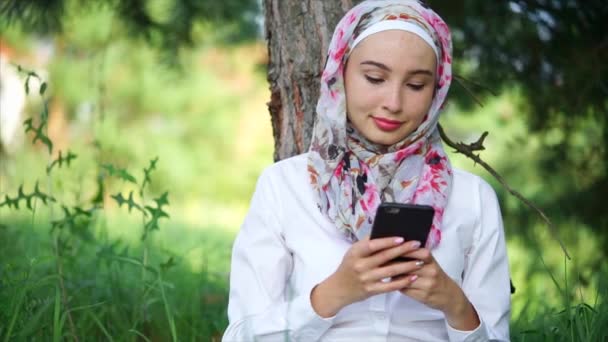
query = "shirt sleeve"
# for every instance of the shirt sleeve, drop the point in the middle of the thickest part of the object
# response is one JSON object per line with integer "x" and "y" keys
{"x": 261, "y": 306}
{"x": 486, "y": 275}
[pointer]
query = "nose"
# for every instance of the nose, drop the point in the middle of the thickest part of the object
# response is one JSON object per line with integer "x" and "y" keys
{"x": 393, "y": 101}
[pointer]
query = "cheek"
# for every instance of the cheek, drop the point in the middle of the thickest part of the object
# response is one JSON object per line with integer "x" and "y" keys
{"x": 360, "y": 97}
{"x": 423, "y": 103}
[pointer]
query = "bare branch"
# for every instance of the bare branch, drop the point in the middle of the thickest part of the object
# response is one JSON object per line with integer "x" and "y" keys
{"x": 468, "y": 149}
{"x": 460, "y": 78}
{"x": 459, "y": 81}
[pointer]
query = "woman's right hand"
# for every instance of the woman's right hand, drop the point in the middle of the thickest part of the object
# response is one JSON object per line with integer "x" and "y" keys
{"x": 360, "y": 274}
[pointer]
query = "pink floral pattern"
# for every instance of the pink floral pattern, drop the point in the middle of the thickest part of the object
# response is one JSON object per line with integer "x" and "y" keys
{"x": 352, "y": 176}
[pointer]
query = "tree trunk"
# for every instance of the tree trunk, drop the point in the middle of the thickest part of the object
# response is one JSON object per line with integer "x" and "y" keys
{"x": 298, "y": 34}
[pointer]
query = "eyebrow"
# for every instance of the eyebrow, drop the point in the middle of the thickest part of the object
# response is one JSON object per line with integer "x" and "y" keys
{"x": 385, "y": 67}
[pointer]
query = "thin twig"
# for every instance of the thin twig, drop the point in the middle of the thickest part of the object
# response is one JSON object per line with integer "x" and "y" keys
{"x": 457, "y": 79}
{"x": 477, "y": 84}
{"x": 468, "y": 149}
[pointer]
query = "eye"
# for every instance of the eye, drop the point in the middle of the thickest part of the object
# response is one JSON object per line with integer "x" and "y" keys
{"x": 373, "y": 80}
{"x": 415, "y": 87}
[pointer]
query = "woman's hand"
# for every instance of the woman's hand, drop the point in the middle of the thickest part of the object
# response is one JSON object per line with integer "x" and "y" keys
{"x": 432, "y": 286}
{"x": 361, "y": 274}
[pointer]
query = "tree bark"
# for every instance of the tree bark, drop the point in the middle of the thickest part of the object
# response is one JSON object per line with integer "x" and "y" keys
{"x": 298, "y": 34}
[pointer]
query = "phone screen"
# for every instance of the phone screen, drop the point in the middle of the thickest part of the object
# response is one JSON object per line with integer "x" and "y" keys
{"x": 410, "y": 221}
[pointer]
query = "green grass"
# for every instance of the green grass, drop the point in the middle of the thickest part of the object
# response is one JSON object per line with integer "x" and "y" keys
{"x": 578, "y": 322}
{"x": 177, "y": 293}
{"x": 178, "y": 290}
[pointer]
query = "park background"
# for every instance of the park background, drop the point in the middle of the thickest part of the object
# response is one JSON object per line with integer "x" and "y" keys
{"x": 176, "y": 116}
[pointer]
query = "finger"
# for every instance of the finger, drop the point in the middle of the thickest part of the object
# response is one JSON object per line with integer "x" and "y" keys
{"x": 395, "y": 284}
{"x": 367, "y": 247}
{"x": 418, "y": 283}
{"x": 422, "y": 254}
{"x": 389, "y": 254}
{"x": 391, "y": 270}
{"x": 432, "y": 271}
{"x": 417, "y": 294}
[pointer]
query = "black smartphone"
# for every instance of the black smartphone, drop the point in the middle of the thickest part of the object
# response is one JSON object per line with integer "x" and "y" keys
{"x": 410, "y": 221}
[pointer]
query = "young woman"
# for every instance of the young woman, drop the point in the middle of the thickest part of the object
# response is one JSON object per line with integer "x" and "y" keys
{"x": 303, "y": 266}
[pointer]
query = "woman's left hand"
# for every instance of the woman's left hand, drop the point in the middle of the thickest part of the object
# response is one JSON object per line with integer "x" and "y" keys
{"x": 433, "y": 287}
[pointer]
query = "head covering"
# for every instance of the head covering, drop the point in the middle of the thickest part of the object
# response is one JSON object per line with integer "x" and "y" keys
{"x": 350, "y": 175}
{"x": 402, "y": 25}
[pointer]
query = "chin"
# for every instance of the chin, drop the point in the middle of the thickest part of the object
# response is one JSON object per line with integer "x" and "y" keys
{"x": 385, "y": 139}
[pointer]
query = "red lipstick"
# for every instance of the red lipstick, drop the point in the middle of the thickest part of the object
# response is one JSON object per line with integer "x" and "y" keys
{"x": 387, "y": 125}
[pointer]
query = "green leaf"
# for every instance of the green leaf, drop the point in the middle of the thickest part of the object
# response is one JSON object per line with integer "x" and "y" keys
{"x": 77, "y": 221}
{"x": 27, "y": 85}
{"x": 147, "y": 172}
{"x": 42, "y": 88}
{"x": 130, "y": 202}
{"x": 38, "y": 133}
{"x": 44, "y": 116}
{"x": 168, "y": 264}
{"x": 163, "y": 199}
{"x": 28, "y": 125}
{"x": 120, "y": 173}
{"x": 61, "y": 160}
{"x": 157, "y": 213}
{"x": 13, "y": 202}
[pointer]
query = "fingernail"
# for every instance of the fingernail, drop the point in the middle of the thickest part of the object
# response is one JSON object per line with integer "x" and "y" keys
{"x": 419, "y": 263}
{"x": 399, "y": 240}
{"x": 416, "y": 244}
{"x": 413, "y": 278}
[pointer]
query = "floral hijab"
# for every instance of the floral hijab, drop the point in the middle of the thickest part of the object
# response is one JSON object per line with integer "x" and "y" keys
{"x": 350, "y": 175}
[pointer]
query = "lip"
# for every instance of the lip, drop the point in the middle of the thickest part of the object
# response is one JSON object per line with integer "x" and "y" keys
{"x": 387, "y": 125}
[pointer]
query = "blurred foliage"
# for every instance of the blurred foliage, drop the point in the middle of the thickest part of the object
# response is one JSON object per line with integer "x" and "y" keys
{"x": 554, "y": 52}
{"x": 208, "y": 124}
{"x": 167, "y": 23}
{"x": 113, "y": 295}
{"x": 123, "y": 105}
{"x": 534, "y": 256}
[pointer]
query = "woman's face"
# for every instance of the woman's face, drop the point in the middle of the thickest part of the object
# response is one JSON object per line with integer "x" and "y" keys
{"x": 389, "y": 85}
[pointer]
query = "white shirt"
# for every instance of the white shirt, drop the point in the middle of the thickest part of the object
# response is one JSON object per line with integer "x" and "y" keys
{"x": 286, "y": 246}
